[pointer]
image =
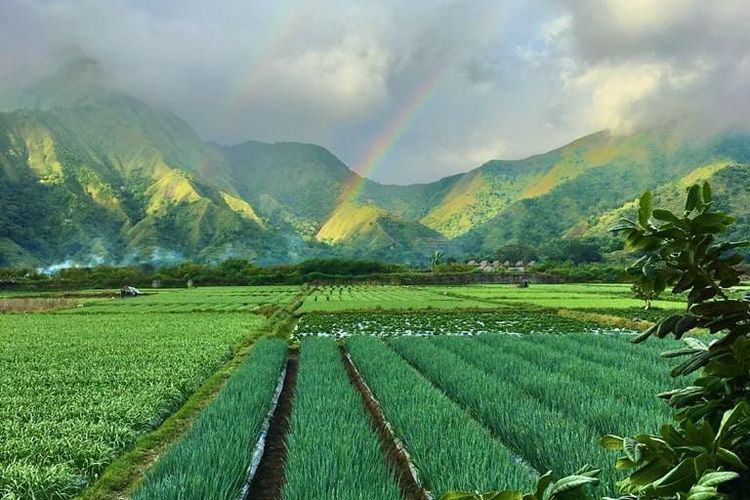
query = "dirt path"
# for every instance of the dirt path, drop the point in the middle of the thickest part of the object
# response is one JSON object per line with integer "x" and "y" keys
{"x": 269, "y": 478}
{"x": 398, "y": 459}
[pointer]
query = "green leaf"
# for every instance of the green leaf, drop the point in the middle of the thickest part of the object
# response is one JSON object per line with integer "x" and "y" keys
{"x": 544, "y": 481}
{"x": 570, "y": 483}
{"x": 717, "y": 478}
{"x": 730, "y": 458}
{"x": 645, "y": 207}
{"x": 706, "y": 192}
{"x": 632, "y": 449}
{"x": 665, "y": 215}
{"x": 611, "y": 442}
{"x": 693, "y": 198}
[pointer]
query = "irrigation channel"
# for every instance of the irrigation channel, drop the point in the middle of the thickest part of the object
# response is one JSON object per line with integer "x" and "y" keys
{"x": 266, "y": 481}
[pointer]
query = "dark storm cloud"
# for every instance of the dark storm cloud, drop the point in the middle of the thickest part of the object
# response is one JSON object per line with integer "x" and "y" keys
{"x": 514, "y": 78}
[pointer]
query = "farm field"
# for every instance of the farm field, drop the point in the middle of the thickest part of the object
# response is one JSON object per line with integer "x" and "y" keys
{"x": 364, "y": 297}
{"x": 569, "y": 296}
{"x": 482, "y": 387}
{"x": 506, "y": 320}
{"x": 213, "y": 299}
{"x": 75, "y": 393}
{"x": 223, "y": 436}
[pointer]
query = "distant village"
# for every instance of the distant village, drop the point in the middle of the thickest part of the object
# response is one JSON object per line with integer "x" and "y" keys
{"x": 496, "y": 266}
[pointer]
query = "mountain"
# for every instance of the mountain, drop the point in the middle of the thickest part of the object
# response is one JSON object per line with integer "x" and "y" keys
{"x": 93, "y": 175}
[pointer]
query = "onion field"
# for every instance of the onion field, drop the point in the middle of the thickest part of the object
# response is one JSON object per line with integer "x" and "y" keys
{"x": 76, "y": 394}
{"x": 363, "y": 392}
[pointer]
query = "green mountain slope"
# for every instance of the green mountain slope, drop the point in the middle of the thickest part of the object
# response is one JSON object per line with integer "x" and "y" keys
{"x": 635, "y": 163}
{"x": 730, "y": 183}
{"x": 91, "y": 175}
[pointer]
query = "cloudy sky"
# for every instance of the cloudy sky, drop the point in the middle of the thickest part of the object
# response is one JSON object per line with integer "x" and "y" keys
{"x": 406, "y": 91}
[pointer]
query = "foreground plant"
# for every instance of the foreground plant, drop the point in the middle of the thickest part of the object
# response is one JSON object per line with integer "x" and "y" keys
{"x": 705, "y": 453}
{"x": 568, "y": 488}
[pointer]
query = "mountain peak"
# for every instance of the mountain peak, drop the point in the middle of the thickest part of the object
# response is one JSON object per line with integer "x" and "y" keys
{"x": 79, "y": 81}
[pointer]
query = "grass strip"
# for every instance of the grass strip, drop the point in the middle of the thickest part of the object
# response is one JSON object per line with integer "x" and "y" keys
{"x": 332, "y": 452}
{"x": 211, "y": 461}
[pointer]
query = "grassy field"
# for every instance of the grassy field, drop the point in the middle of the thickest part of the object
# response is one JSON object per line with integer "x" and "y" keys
{"x": 483, "y": 386}
{"x": 75, "y": 393}
{"x": 363, "y": 297}
{"x": 570, "y": 296}
{"x": 198, "y": 300}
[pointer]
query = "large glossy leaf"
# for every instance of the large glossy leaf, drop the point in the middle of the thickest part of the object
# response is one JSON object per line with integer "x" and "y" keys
{"x": 645, "y": 207}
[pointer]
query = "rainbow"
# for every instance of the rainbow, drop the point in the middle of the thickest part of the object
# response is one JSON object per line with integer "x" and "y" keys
{"x": 276, "y": 37}
{"x": 390, "y": 136}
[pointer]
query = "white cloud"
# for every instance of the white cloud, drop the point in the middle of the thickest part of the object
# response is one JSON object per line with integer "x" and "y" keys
{"x": 350, "y": 75}
{"x": 520, "y": 77}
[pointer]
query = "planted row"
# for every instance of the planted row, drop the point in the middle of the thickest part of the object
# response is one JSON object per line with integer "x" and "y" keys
{"x": 450, "y": 449}
{"x": 211, "y": 461}
{"x": 547, "y": 438}
{"x": 332, "y": 452}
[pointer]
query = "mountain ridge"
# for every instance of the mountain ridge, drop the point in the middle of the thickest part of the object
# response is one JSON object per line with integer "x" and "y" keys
{"x": 100, "y": 176}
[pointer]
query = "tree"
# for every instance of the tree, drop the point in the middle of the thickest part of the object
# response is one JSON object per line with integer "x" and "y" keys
{"x": 705, "y": 453}
{"x": 646, "y": 295}
{"x": 514, "y": 252}
{"x": 576, "y": 250}
{"x": 436, "y": 260}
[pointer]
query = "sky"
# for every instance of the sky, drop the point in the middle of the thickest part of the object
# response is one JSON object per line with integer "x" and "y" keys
{"x": 403, "y": 91}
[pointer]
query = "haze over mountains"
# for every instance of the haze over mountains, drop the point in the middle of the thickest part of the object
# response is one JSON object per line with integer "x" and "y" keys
{"x": 90, "y": 175}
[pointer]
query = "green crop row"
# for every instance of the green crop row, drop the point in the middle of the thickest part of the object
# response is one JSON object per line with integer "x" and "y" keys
{"x": 74, "y": 395}
{"x": 211, "y": 461}
{"x": 332, "y": 450}
{"x": 547, "y": 439}
{"x": 549, "y": 406}
{"x": 450, "y": 449}
{"x": 383, "y": 297}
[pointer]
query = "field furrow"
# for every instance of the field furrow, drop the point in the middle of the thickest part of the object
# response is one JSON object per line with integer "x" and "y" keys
{"x": 332, "y": 451}
{"x": 450, "y": 449}
{"x": 548, "y": 439}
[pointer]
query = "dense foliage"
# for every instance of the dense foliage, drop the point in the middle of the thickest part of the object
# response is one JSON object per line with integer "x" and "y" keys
{"x": 453, "y": 323}
{"x": 705, "y": 453}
